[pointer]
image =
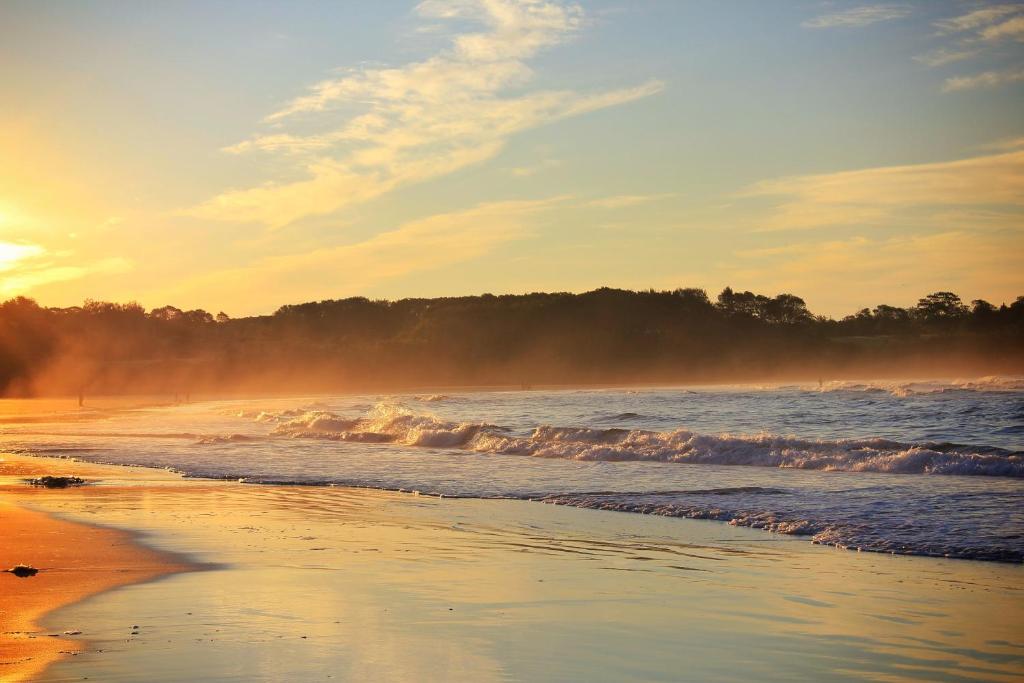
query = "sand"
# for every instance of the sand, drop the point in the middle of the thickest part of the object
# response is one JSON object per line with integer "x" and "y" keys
{"x": 313, "y": 583}
{"x": 74, "y": 560}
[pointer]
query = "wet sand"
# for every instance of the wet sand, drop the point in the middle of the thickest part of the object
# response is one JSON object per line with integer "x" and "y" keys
{"x": 74, "y": 560}
{"x": 321, "y": 583}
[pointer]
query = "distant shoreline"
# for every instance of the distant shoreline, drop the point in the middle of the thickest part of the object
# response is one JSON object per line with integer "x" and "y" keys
{"x": 156, "y": 400}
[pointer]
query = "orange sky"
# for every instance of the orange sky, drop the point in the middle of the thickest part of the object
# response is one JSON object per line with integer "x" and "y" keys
{"x": 238, "y": 159}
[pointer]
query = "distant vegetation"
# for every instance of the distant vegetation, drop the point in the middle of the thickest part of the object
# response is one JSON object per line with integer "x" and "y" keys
{"x": 603, "y": 336}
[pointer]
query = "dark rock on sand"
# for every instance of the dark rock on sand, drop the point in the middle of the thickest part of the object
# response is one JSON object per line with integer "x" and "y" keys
{"x": 22, "y": 571}
{"x": 56, "y": 482}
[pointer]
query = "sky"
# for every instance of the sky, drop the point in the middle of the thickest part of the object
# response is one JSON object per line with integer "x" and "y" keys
{"x": 241, "y": 155}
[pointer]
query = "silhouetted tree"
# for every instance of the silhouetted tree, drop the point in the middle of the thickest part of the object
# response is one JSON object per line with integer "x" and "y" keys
{"x": 941, "y": 306}
{"x": 599, "y": 336}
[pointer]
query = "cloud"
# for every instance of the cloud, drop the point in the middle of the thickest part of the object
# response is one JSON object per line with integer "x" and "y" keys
{"x": 893, "y": 270}
{"x": 1011, "y": 28}
{"x": 11, "y": 253}
{"x": 26, "y": 267}
{"x": 424, "y": 244}
{"x": 977, "y": 18}
{"x": 280, "y": 143}
{"x": 1005, "y": 144}
{"x": 527, "y": 171}
{"x": 980, "y": 32}
{"x": 878, "y": 195}
{"x": 942, "y": 56}
{"x": 626, "y": 200}
{"x": 372, "y": 130}
{"x": 858, "y": 16}
{"x": 986, "y": 79}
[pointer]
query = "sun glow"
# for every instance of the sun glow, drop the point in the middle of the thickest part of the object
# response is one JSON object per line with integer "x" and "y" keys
{"x": 11, "y": 253}
{"x": 8, "y": 215}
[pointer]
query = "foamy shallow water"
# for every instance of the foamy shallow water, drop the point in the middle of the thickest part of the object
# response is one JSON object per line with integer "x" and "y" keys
{"x": 932, "y": 468}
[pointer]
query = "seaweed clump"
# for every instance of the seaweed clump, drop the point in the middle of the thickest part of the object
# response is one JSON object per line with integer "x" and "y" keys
{"x": 56, "y": 482}
{"x": 22, "y": 571}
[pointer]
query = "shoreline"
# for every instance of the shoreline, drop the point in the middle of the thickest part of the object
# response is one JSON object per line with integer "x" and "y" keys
{"x": 76, "y": 561}
{"x": 804, "y": 537}
{"x": 360, "y": 578}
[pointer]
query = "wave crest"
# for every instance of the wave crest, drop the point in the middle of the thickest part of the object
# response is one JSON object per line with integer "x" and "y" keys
{"x": 224, "y": 439}
{"x": 393, "y": 423}
{"x": 991, "y": 383}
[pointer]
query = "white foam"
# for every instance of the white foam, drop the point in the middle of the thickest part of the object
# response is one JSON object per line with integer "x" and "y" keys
{"x": 224, "y": 439}
{"x": 902, "y": 389}
{"x": 395, "y": 423}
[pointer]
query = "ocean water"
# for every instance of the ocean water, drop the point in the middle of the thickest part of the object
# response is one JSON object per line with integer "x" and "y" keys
{"x": 925, "y": 468}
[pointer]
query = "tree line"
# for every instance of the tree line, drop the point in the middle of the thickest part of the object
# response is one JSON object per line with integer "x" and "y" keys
{"x": 602, "y": 336}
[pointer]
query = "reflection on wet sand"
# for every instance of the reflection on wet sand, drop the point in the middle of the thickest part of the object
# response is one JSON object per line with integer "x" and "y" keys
{"x": 355, "y": 584}
{"x": 68, "y": 562}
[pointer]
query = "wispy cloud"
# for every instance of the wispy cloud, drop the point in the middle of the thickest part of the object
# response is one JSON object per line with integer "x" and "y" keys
{"x": 876, "y": 195}
{"x": 942, "y": 56}
{"x": 891, "y": 270}
{"x": 978, "y": 18}
{"x": 1011, "y": 28}
{"x": 1006, "y": 144}
{"x": 534, "y": 169}
{"x": 27, "y": 266}
{"x": 627, "y": 200}
{"x": 424, "y": 244}
{"x": 375, "y": 129}
{"x": 986, "y": 79}
{"x": 11, "y": 253}
{"x": 982, "y": 32}
{"x": 858, "y": 16}
{"x": 427, "y": 243}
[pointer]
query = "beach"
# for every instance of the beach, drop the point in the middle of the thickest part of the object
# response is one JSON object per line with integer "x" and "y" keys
{"x": 75, "y": 561}
{"x": 511, "y": 341}
{"x": 321, "y": 583}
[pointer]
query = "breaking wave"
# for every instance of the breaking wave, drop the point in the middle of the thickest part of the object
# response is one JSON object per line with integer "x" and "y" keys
{"x": 993, "y": 383}
{"x": 225, "y": 439}
{"x": 746, "y": 507}
{"x": 393, "y": 423}
{"x": 618, "y": 450}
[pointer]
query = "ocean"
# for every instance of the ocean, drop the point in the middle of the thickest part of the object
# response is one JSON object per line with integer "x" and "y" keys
{"x": 930, "y": 468}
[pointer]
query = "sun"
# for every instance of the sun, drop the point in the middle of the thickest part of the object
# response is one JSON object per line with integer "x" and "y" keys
{"x": 11, "y": 253}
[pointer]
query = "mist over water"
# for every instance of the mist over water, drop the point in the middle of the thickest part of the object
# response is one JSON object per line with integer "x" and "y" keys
{"x": 932, "y": 468}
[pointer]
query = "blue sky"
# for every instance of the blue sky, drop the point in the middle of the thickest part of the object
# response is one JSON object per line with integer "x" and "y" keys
{"x": 243, "y": 155}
